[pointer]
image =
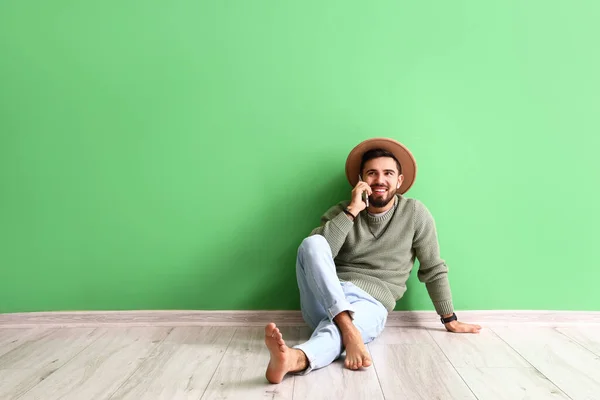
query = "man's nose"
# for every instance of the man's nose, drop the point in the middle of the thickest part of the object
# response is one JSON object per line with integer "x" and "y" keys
{"x": 378, "y": 180}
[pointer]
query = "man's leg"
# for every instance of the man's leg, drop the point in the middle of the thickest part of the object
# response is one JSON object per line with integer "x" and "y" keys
{"x": 324, "y": 301}
{"x": 321, "y": 293}
{"x": 327, "y": 341}
{"x": 326, "y": 308}
{"x": 321, "y": 297}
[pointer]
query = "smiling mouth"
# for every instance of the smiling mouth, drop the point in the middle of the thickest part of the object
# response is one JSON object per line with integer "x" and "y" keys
{"x": 379, "y": 191}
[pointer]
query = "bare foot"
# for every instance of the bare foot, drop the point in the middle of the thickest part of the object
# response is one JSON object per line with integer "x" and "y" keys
{"x": 357, "y": 355}
{"x": 283, "y": 359}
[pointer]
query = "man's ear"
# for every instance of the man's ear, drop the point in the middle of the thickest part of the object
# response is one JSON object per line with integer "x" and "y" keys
{"x": 400, "y": 180}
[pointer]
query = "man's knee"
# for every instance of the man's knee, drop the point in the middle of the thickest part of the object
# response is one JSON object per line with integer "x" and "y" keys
{"x": 313, "y": 245}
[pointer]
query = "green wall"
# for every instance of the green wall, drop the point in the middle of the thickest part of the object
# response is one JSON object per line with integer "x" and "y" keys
{"x": 173, "y": 154}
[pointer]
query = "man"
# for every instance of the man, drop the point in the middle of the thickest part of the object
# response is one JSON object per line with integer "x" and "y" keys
{"x": 353, "y": 268}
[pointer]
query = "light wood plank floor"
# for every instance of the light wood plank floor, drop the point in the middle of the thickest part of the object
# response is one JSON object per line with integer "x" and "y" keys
{"x": 513, "y": 362}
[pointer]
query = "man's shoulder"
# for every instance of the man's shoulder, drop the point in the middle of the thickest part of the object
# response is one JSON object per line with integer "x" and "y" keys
{"x": 416, "y": 204}
{"x": 408, "y": 203}
{"x": 422, "y": 213}
{"x": 416, "y": 209}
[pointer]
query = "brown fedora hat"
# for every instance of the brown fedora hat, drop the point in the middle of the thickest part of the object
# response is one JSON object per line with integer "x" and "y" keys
{"x": 404, "y": 156}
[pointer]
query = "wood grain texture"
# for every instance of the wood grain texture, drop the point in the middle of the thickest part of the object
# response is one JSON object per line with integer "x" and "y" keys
{"x": 241, "y": 373}
{"x": 516, "y": 362}
{"x": 492, "y": 369}
{"x": 15, "y": 337}
{"x": 39, "y": 356}
{"x": 516, "y": 383}
{"x": 572, "y": 368}
{"x": 411, "y": 366}
{"x": 283, "y": 318}
{"x": 337, "y": 382}
{"x": 587, "y": 336}
{"x": 99, "y": 370}
{"x": 485, "y": 349}
{"x": 180, "y": 367}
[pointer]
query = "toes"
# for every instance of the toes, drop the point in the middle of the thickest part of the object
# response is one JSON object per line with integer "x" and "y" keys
{"x": 269, "y": 329}
{"x": 355, "y": 363}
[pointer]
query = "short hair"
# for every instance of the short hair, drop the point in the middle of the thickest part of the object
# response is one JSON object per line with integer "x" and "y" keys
{"x": 377, "y": 153}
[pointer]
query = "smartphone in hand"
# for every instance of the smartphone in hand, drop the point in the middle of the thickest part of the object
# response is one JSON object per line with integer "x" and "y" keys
{"x": 365, "y": 195}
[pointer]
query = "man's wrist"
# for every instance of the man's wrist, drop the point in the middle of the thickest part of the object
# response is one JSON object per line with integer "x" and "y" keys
{"x": 349, "y": 213}
{"x": 353, "y": 209}
{"x": 448, "y": 318}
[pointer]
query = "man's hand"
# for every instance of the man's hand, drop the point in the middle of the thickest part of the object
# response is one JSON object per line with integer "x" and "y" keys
{"x": 356, "y": 203}
{"x": 460, "y": 327}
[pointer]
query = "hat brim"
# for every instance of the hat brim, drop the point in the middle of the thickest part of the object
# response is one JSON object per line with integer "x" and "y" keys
{"x": 404, "y": 156}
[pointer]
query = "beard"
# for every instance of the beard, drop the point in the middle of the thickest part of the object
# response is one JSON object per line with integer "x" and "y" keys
{"x": 381, "y": 201}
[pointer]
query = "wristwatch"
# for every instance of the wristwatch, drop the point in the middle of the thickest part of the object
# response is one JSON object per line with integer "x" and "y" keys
{"x": 449, "y": 319}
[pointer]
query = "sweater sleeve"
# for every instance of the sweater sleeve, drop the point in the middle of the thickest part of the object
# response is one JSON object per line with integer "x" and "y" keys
{"x": 335, "y": 226}
{"x": 432, "y": 269}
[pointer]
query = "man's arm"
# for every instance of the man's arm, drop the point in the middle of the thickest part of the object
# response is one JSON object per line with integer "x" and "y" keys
{"x": 339, "y": 219}
{"x": 335, "y": 226}
{"x": 433, "y": 270}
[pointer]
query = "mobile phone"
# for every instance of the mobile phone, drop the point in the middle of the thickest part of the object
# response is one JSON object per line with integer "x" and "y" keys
{"x": 365, "y": 195}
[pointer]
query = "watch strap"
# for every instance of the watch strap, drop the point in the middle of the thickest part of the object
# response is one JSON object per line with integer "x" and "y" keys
{"x": 451, "y": 318}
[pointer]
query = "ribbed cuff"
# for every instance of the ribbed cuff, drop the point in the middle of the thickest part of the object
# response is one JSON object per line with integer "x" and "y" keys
{"x": 339, "y": 227}
{"x": 444, "y": 307}
{"x": 439, "y": 292}
{"x": 342, "y": 223}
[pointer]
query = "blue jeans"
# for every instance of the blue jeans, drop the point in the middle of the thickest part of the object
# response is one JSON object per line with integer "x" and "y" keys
{"x": 323, "y": 296}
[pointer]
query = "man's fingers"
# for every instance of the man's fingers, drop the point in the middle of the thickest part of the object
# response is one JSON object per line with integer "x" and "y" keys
{"x": 361, "y": 187}
{"x": 367, "y": 188}
{"x": 464, "y": 328}
{"x": 472, "y": 328}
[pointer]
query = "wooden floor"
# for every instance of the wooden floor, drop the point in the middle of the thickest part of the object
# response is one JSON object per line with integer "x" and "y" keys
{"x": 229, "y": 363}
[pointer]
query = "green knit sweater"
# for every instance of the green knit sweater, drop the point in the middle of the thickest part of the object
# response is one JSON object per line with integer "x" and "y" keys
{"x": 377, "y": 253}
